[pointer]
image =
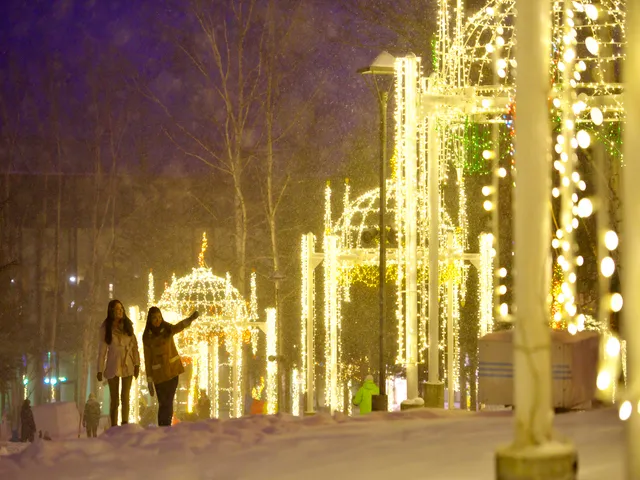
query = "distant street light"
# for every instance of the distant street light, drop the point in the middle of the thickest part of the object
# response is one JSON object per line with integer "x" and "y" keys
{"x": 379, "y": 71}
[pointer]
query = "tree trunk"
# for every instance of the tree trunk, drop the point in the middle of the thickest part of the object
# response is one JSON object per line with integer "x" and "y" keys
{"x": 41, "y": 279}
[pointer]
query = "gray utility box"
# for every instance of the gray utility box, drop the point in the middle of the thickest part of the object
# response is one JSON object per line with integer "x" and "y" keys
{"x": 574, "y": 364}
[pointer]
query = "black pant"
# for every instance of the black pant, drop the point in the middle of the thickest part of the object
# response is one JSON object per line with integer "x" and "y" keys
{"x": 114, "y": 386}
{"x": 166, "y": 391}
{"x": 92, "y": 430}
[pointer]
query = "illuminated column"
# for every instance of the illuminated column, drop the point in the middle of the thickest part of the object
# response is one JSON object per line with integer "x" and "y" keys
{"x": 485, "y": 284}
{"x": 204, "y": 368}
{"x": 234, "y": 377}
{"x": 237, "y": 376}
{"x": 411, "y": 223}
{"x": 214, "y": 375}
{"x": 326, "y": 247}
{"x": 240, "y": 390}
{"x": 332, "y": 272}
{"x": 451, "y": 347}
{"x": 435, "y": 388}
{"x": 151, "y": 297}
{"x": 272, "y": 364}
{"x": 631, "y": 201}
{"x": 498, "y": 73}
{"x": 566, "y": 166}
{"x": 295, "y": 387}
{"x": 309, "y": 264}
{"x": 138, "y": 329}
{"x": 535, "y": 453}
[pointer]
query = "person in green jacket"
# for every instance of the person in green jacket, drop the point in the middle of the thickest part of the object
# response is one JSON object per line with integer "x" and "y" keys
{"x": 364, "y": 395}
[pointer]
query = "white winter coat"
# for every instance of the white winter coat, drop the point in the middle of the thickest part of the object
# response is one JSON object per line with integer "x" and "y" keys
{"x": 121, "y": 356}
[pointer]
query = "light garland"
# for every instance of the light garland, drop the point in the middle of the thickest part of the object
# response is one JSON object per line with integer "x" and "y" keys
{"x": 327, "y": 298}
{"x": 224, "y": 316}
{"x": 475, "y": 57}
{"x": 306, "y": 284}
{"x": 485, "y": 285}
{"x": 151, "y": 296}
{"x": 295, "y": 392}
{"x": 214, "y": 378}
{"x": 205, "y": 244}
{"x": 272, "y": 366}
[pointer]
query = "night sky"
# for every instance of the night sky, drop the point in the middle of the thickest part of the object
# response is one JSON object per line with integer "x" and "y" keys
{"x": 116, "y": 46}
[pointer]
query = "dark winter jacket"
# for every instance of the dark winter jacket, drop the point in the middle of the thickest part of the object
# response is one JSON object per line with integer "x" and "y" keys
{"x": 204, "y": 407}
{"x": 27, "y": 421}
{"x": 91, "y": 416}
{"x": 161, "y": 357}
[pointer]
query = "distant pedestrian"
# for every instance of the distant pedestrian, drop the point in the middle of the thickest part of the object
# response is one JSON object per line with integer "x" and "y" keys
{"x": 204, "y": 406}
{"x": 119, "y": 349}
{"x": 27, "y": 422}
{"x": 162, "y": 360}
{"x": 91, "y": 416}
{"x": 364, "y": 396}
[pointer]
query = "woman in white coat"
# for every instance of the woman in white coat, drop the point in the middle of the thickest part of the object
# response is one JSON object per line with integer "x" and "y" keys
{"x": 118, "y": 358}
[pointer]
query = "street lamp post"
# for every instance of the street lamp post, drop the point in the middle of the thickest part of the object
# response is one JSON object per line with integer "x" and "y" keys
{"x": 383, "y": 65}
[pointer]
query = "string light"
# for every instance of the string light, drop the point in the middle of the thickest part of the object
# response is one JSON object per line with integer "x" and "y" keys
{"x": 471, "y": 55}
{"x": 224, "y": 316}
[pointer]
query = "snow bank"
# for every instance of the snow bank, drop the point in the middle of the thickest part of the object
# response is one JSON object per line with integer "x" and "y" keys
{"x": 60, "y": 419}
{"x": 415, "y": 443}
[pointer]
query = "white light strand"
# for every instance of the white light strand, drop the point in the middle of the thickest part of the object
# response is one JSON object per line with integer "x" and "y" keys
{"x": 272, "y": 365}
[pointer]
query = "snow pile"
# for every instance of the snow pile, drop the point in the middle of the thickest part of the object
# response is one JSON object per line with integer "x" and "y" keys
{"x": 10, "y": 448}
{"x": 416, "y": 402}
{"x": 418, "y": 443}
{"x": 60, "y": 419}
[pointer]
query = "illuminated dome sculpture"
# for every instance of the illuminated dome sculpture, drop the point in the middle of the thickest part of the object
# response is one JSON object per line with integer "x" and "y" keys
{"x": 223, "y": 311}
{"x": 588, "y": 42}
{"x": 360, "y": 217}
{"x": 587, "y": 54}
{"x": 351, "y": 254}
{"x": 460, "y": 119}
{"x": 226, "y": 319}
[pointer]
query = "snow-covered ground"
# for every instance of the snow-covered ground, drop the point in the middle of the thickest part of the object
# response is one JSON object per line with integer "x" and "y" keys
{"x": 422, "y": 443}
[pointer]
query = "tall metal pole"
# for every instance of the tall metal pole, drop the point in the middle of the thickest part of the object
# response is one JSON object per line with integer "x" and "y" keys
{"x": 530, "y": 455}
{"x": 631, "y": 233}
{"x": 383, "y": 98}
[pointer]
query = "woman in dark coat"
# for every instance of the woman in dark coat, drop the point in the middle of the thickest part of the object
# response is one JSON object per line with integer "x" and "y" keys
{"x": 162, "y": 360}
{"x": 27, "y": 421}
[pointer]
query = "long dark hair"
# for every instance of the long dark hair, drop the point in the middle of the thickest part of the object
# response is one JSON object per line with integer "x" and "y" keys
{"x": 148, "y": 326}
{"x": 127, "y": 325}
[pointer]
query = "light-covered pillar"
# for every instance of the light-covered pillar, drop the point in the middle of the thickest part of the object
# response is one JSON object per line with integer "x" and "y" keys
{"x": 332, "y": 272}
{"x": 534, "y": 453}
{"x": 309, "y": 263}
{"x": 236, "y": 373}
{"x": 214, "y": 375}
{"x": 451, "y": 346}
{"x": 411, "y": 64}
{"x": 272, "y": 364}
{"x": 434, "y": 395}
{"x": 631, "y": 234}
